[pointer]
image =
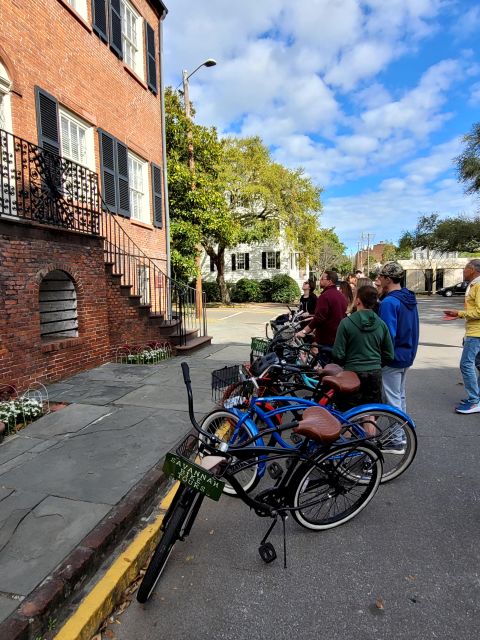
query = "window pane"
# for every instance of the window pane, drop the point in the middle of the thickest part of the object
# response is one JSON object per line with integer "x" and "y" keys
{"x": 240, "y": 261}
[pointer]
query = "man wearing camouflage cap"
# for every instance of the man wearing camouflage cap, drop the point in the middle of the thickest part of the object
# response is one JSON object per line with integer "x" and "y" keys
{"x": 399, "y": 312}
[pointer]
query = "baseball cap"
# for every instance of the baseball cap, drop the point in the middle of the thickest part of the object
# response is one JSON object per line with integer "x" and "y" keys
{"x": 391, "y": 270}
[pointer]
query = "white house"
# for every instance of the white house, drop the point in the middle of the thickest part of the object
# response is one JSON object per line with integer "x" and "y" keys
{"x": 257, "y": 262}
{"x": 429, "y": 270}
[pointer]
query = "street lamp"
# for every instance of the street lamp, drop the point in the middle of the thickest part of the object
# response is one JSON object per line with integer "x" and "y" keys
{"x": 210, "y": 62}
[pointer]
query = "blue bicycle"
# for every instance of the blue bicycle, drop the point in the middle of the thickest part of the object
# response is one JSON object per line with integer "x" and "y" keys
{"x": 245, "y": 418}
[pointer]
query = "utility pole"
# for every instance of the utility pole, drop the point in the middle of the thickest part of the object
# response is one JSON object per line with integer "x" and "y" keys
{"x": 367, "y": 237}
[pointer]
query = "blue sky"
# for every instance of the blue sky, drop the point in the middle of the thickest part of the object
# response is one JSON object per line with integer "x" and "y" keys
{"x": 370, "y": 97}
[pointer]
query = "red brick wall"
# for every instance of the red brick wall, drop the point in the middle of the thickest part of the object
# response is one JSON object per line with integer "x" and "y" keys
{"x": 28, "y": 254}
{"x": 106, "y": 318}
{"x": 43, "y": 43}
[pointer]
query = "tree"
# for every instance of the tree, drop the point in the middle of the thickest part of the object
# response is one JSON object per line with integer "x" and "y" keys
{"x": 459, "y": 233}
{"x": 194, "y": 211}
{"x": 237, "y": 194}
{"x": 468, "y": 162}
{"x": 330, "y": 252}
{"x": 263, "y": 198}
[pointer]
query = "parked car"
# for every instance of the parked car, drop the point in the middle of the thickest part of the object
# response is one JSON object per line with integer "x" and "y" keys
{"x": 455, "y": 290}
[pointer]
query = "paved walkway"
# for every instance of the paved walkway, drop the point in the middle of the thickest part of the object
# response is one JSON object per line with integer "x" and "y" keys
{"x": 65, "y": 473}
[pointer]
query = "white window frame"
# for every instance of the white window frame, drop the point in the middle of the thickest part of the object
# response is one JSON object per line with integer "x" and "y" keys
{"x": 132, "y": 38}
{"x": 5, "y": 100}
{"x": 87, "y": 157}
{"x": 80, "y": 7}
{"x": 139, "y": 190}
{"x": 271, "y": 258}
{"x": 241, "y": 261}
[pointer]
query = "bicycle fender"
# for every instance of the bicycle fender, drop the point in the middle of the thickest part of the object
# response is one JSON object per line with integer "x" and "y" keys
{"x": 363, "y": 408}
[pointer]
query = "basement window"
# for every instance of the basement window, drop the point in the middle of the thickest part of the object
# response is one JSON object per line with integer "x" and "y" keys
{"x": 58, "y": 306}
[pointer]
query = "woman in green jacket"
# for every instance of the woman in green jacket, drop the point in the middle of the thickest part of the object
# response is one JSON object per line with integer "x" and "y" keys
{"x": 363, "y": 344}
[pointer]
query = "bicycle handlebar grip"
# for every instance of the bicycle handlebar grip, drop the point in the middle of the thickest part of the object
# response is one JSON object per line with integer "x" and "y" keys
{"x": 186, "y": 373}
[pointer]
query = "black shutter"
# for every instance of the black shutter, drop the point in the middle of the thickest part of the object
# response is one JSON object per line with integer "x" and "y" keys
{"x": 47, "y": 121}
{"x": 122, "y": 180}
{"x": 108, "y": 170}
{"x": 99, "y": 17}
{"x": 264, "y": 259}
{"x": 247, "y": 261}
{"x": 277, "y": 260}
{"x": 151, "y": 58}
{"x": 157, "y": 194}
{"x": 212, "y": 265}
{"x": 116, "y": 28}
{"x": 234, "y": 262}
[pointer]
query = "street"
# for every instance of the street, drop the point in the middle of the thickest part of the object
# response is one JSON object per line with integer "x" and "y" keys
{"x": 406, "y": 567}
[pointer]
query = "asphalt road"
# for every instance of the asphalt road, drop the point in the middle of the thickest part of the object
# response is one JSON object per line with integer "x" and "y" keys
{"x": 406, "y": 567}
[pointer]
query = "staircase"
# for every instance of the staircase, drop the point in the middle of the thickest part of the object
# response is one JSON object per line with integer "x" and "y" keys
{"x": 170, "y": 307}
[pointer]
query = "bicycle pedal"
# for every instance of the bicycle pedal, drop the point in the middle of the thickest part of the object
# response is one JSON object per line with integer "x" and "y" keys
{"x": 295, "y": 438}
{"x": 275, "y": 471}
{"x": 267, "y": 552}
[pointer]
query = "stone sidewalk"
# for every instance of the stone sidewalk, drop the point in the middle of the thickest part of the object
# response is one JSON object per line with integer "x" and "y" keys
{"x": 73, "y": 482}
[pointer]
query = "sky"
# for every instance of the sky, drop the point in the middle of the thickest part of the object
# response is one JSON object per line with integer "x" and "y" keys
{"x": 370, "y": 97}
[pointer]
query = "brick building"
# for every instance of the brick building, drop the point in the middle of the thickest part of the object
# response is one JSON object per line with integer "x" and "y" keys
{"x": 83, "y": 216}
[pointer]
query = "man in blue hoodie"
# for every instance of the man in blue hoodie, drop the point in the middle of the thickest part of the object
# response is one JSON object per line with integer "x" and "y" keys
{"x": 399, "y": 312}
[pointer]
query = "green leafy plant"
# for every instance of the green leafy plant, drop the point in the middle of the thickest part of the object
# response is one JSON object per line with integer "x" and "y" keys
{"x": 247, "y": 291}
{"x": 284, "y": 289}
{"x": 266, "y": 289}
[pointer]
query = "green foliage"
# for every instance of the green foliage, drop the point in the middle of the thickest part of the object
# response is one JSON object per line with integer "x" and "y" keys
{"x": 246, "y": 290}
{"x": 459, "y": 233}
{"x": 266, "y": 290}
{"x": 284, "y": 289}
{"x": 212, "y": 291}
{"x": 468, "y": 163}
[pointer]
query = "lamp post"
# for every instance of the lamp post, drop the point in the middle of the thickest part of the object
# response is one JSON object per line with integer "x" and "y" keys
{"x": 210, "y": 62}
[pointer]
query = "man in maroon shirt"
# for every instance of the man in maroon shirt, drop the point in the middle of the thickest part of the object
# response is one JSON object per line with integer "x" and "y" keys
{"x": 330, "y": 310}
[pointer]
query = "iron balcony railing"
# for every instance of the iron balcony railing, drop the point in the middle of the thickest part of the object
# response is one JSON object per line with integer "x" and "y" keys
{"x": 41, "y": 186}
{"x": 166, "y": 298}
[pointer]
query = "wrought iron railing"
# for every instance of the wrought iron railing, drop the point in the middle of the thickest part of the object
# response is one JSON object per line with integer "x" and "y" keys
{"x": 174, "y": 301}
{"x": 41, "y": 186}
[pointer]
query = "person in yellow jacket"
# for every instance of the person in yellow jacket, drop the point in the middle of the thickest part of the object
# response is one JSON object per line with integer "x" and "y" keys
{"x": 470, "y": 360}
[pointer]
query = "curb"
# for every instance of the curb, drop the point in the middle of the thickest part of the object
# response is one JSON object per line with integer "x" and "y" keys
{"x": 31, "y": 618}
{"x": 101, "y": 601}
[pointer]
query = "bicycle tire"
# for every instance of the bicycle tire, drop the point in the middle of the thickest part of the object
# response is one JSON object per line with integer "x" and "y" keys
{"x": 221, "y": 423}
{"x": 392, "y": 426}
{"x": 321, "y": 488}
{"x": 172, "y": 533}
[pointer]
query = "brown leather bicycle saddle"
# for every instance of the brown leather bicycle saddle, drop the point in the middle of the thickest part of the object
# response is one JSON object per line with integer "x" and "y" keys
{"x": 330, "y": 369}
{"x": 319, "y": 424}
{"x": 345, "y": 382}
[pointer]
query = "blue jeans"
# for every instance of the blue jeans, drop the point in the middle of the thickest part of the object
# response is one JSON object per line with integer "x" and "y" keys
{"x": 393, "y": 380}
{"x": 469, "y": 363}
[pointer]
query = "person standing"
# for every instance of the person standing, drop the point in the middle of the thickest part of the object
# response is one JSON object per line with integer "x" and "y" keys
{"x": 399, "y": 311}
{"x": 363, "y": 344}
{"x": 308, "y": 301}
{"x": 330, "y": 310}
{"x": 470, "y": 360}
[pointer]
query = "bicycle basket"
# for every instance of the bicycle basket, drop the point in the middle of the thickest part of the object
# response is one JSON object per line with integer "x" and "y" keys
{"x": 224, "y": 378}
{"x": 188, "y": 447}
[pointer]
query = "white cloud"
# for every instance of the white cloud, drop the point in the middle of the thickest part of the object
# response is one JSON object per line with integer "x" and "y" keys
{"x": 311, "y": 78}
{"x": 474, "y": 100}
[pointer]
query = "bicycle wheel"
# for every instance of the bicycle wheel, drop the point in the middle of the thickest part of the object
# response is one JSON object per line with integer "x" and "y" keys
{"x": 397, "y": 439}
{"x": 335, "y": 486}
{"x": 223, "y": 425}
{"x": 177, "y": 522}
